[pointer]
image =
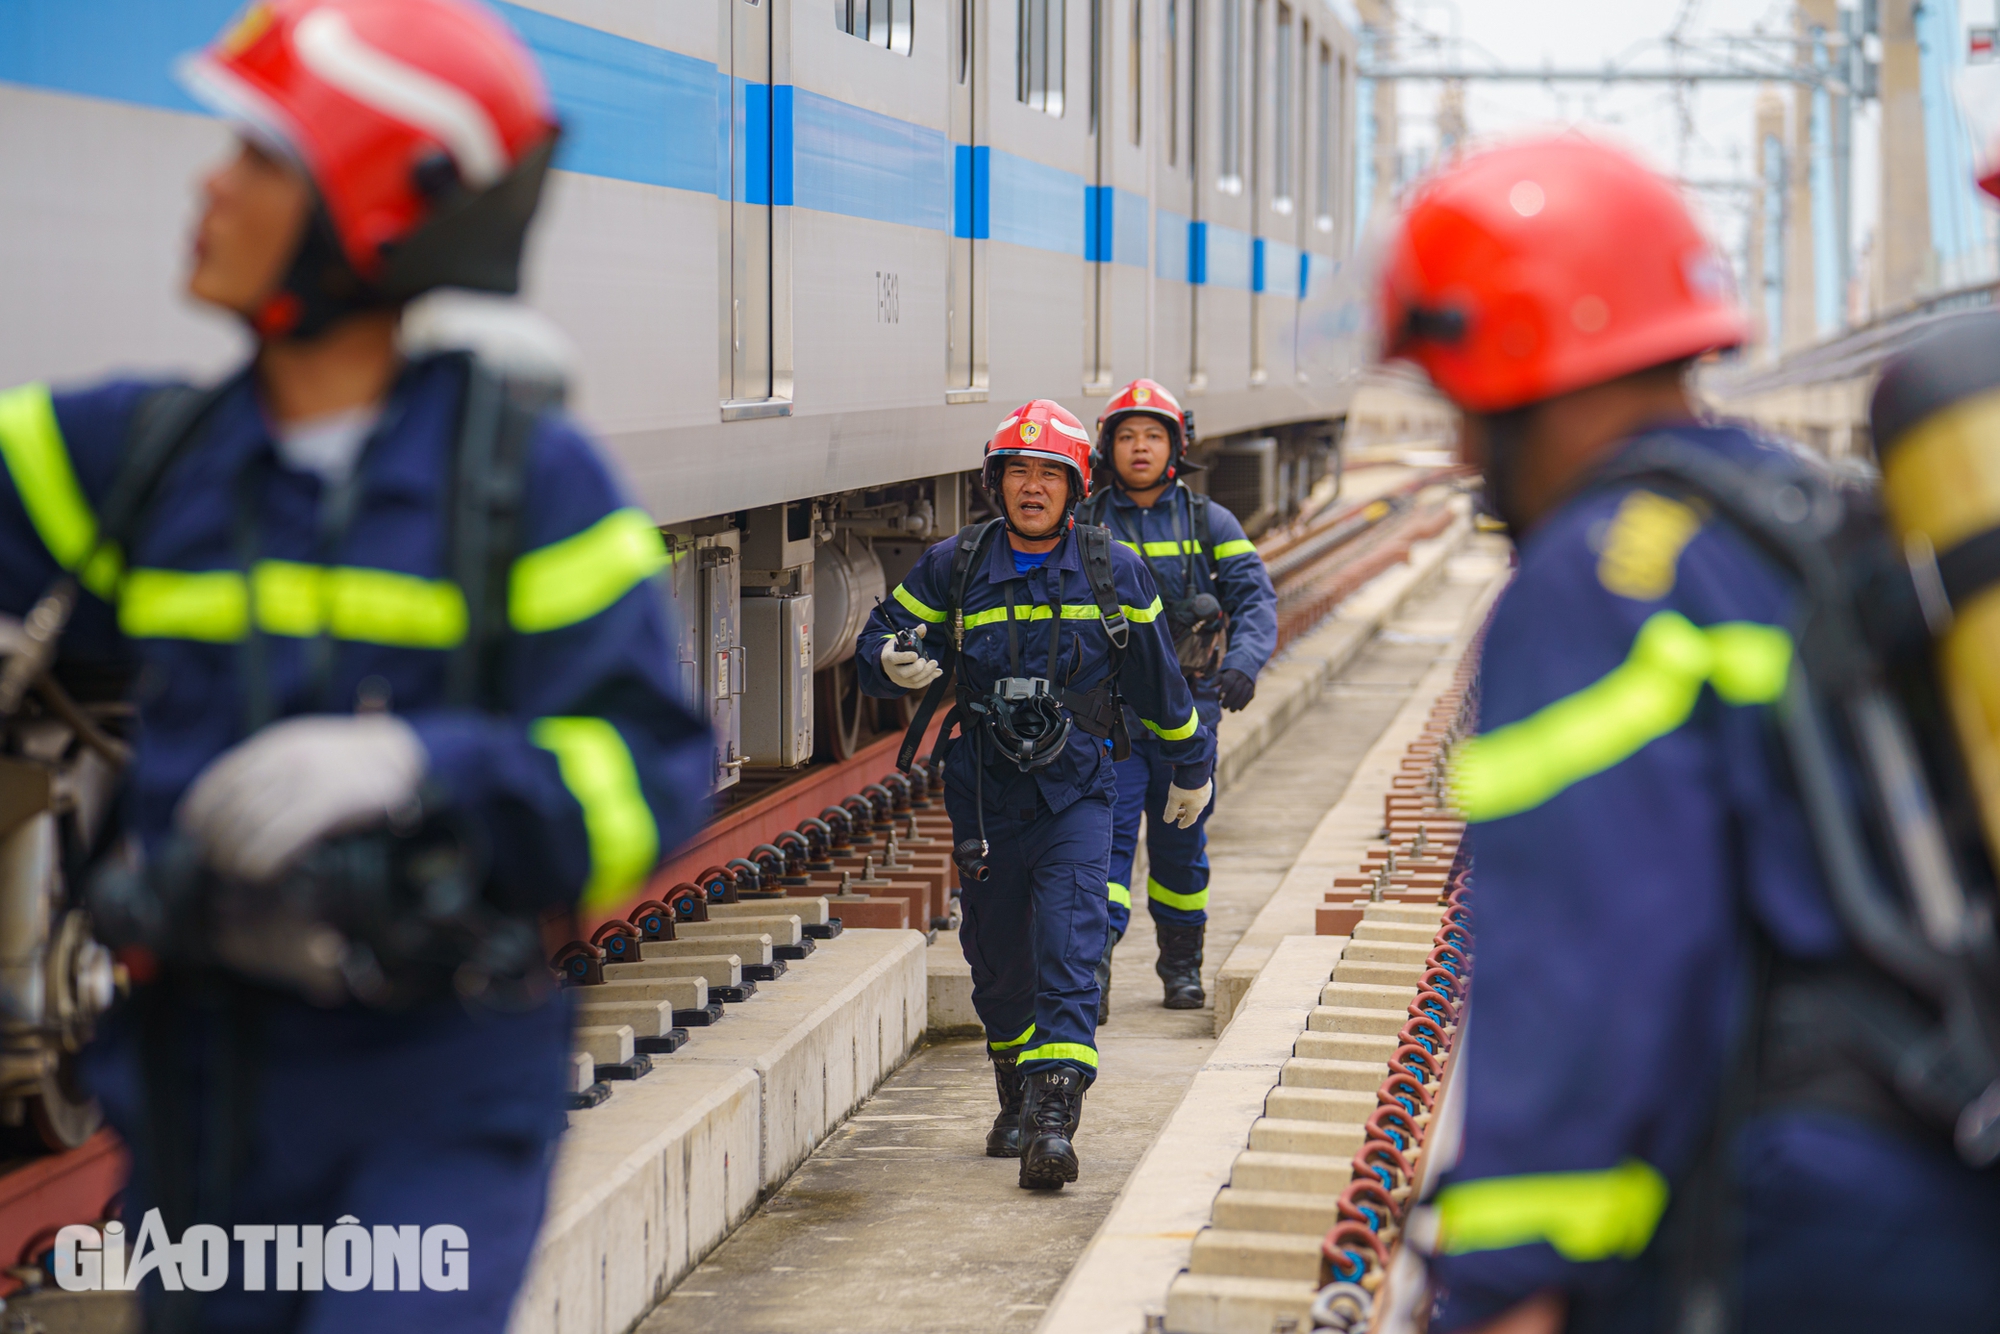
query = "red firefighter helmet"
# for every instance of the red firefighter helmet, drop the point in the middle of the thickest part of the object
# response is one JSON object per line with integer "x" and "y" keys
{"x": 1531, "y": 270}
{"x": 424, "y": 127}
{"x": 1147, "y": 398}
{"x": 1043, "y": 429}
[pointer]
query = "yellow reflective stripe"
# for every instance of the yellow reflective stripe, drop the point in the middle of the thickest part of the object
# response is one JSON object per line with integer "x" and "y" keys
{"x": 1186, "y": 546}
{"x": 354, "y": 603}
{"x": 1143, "y": 615}
{"x": 1518, "y": 767}
{"x": 1062, "y": 1051}
{"x": 1159, "y": 893}
{"x": 1026, "y": 1033}
{"x": 597, "y": 769}
{"x": 1242, "y": 546}
{"x": 383, "y": 607}
{"x": 1118, "y": 894}
{"x": 290, "y": 597}
{"x": 207, "y": 605}
{"x": 1072, "y": 611}
{"x": 1584, "y": 1215}
{"x": 1752, "y": 661}
{"x": 1132, "y": 546}
{"x": 32, "y": 446}
{"x": 573, "y": 580}
{"x": 1181, "y": 733}
{"x": 916, "y": 608}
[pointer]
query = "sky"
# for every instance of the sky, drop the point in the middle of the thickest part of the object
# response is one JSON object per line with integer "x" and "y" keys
{"x": 1704, "y": 136}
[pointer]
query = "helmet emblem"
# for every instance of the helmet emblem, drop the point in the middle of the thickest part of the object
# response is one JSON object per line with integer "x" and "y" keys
{"x": 1030, "y": 432}
{"x": 1142, "y": 395}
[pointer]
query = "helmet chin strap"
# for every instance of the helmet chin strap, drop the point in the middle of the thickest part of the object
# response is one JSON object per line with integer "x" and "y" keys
{"x": 320, "y": 287}
{"x": 1506, "y": 436}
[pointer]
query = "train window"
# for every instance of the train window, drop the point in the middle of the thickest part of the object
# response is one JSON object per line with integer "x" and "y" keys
{"x": 883, "y": 23}
{"x": 1133, "y": 67}
{"x": 1283, "y": 137}
{"x": 1231, "y": 181}
{"x": 1324, "y": 156}
{"x": 1170, "y": 84}
{"x": 1039, "y": 74}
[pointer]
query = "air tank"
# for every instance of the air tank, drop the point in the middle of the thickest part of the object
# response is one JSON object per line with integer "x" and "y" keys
{"x": 847, "y": 583}
{"x": 1936, "y": 423}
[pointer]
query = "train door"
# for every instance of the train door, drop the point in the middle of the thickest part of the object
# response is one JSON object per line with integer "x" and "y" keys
{"x": 965, "y": 352}
{"x": 752, "y": 385}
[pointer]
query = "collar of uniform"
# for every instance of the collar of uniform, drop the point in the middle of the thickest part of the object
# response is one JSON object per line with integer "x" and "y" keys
{"x": 1118, "y": 496}
{"x": 423, "y": 396}
{"x": 1000, "y": 559}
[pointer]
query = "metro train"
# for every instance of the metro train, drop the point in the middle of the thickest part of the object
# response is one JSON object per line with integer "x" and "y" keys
{"x": 802, "y": 260}
{"x": 805, "y": 259}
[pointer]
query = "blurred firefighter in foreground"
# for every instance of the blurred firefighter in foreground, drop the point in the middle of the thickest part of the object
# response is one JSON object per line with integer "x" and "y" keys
{"x": 1686, "y": 1097}
{"x": 1043, "y": 628}
{"x": 1223, "y": 615}
{"x": 401, "y": 675}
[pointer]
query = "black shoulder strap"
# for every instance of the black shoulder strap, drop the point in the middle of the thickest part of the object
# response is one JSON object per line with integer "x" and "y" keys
{"x": 495, "y": 424}
{"x": 165, "y": 423}
{"x": 1198, "y": 520}
{"x": 971, "y": 543}
{"x": 1095, "y": 545}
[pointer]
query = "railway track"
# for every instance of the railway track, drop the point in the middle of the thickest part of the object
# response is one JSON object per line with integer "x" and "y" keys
{"x": 842, "y": 845}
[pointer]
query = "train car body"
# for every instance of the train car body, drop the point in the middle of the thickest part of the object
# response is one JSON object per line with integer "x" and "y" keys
{"x": 807, "y": 253}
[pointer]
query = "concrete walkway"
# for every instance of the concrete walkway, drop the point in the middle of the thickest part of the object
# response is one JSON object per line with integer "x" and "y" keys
{"x": 900, "y": 1223}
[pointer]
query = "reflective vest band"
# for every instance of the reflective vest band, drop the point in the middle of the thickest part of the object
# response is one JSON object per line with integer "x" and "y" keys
{"x": 1118, "y": 894}
{"x": 355, "y": 603}
{"x": 37, "y": 460}
{"x": 210, "y": 606}
{"x": 1021, "y": 1041}
{"x": 568, "y": 582}
{"x": 916, "y": 608}
{"x": 1159, "y": 893}
{"x": 1062, "y": 1051}
{"x": 1184, "y": 547}
{"x": 1072, "y": 611}
{"x": 1181, "y": 733}
{"x": 1242, "y": 546}
{"x": 1651, "y": 694}
{"x": 1585, "y": 1216}
{"x": 597, "y": 769}
{"x": 359, "y": 604}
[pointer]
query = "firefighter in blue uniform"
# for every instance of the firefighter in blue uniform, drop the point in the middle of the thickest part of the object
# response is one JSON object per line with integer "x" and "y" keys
{"x": 283, "y": 607}
{"x": 1633, "y": 830}
{"x": 1196, "y": 549}
{"x": 1042, "y": 605}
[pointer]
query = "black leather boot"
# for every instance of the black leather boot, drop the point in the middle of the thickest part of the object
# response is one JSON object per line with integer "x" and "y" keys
{"x": 1111, "y": 940}
{"x": 1004, "y": 1140}
{"x": 1180, "y": 965}
{"x": 1051, "y": 1109}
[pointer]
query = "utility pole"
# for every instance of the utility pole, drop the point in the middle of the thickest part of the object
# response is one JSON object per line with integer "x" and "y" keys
{"x": 1903, "y": 237}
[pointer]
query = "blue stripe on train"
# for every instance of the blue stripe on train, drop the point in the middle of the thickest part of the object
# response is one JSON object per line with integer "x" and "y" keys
{"x": 637, "y": 112}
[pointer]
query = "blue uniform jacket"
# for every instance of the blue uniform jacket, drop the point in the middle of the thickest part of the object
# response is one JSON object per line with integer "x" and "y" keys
{"x": 1150, "y": 677}
{"x": 1626, "y": 808}
{"x": 1239, "y": 580}
{"x": 593, "y": 770}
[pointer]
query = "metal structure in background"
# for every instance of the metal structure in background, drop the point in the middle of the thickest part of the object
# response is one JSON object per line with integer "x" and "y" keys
{"x": 1931, "y": 238}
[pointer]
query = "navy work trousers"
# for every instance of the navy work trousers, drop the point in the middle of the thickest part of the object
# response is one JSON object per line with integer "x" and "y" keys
{"x": 1034, "y": 929}
{"x": 1176, "y": 858}
{"x": 422, "y": 1117}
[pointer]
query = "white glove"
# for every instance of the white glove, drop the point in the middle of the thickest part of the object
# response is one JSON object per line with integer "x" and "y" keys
{"x": 262, "y": 803}
{"x": 1184, "y": 807}
{"x": 907, "y": 667}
